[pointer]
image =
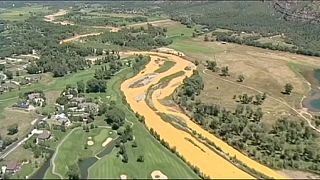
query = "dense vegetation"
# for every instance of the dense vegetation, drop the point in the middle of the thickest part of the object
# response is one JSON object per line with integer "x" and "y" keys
{"x": 289, "y": 144}
{"x": 139, "y": 38}
{"x": 90, "y": 19}
{"x": 259, "y": 17}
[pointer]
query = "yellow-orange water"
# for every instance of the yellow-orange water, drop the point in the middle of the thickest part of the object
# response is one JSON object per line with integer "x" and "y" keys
{"x": 208, "y": 161}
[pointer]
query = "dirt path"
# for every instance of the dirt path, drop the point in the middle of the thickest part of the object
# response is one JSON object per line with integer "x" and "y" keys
{"x": 77, "y": 37}
{"x": 300, "y": 113}
{"x": 52, "y": 17}
{"x": 151, "y": 22}
{"x": 219, "y": 167}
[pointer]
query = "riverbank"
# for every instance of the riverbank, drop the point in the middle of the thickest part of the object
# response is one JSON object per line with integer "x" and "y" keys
{"x": 179, "y": 139}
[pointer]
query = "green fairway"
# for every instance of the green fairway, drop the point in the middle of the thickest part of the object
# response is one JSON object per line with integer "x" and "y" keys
{"x": 75, "y": 147}
{"x": 165, "y": 67}
{"x": 156, "y": 157}
{"x": 189, "y": 45}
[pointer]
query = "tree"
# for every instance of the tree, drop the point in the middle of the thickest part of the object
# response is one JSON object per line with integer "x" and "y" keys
{"x": 288, "y": 88}
{"x": 240, "y": 78}
{"x": 225, "y": 71}
{"x": 140, "y": 158}
{"x": 2, "y": 67}
{"x": 206, "y": 38}
{"x": 134, "y": 144}
{"x": 81, "y": 86}
{"x": 13, "y": 129}
{"x": 73, "y": 172}
{"x": 95, "y": 85}
{"x": 62, "y": 100}
{"x": 211, "y": 65}
{"x": 257, "y": 115}
{"x": 125, "y": 158}
{"x": 258, "y": 100}
{"x": 264, "y": 96}
{"x": 115, "y": 117}
{"x": 9, "y": 74}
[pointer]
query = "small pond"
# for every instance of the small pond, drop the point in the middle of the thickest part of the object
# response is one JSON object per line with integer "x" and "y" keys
{"x": 40, "y": 173}
{"x": 85, "y": 164}
{"x": 312, "y": 102}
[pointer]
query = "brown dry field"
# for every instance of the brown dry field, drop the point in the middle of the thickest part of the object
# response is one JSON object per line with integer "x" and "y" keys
{"x": 264, "y": 70}
{"x": 22, "y": 118}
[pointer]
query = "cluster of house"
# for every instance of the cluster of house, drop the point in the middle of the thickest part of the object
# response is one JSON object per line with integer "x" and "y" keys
{"x": 33, "y": 99}
{"x": 12, "y": 167}
{"x": 78, "y": 107}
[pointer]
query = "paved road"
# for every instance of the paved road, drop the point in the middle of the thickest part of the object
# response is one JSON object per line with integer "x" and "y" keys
{"x": 9, "y": 149}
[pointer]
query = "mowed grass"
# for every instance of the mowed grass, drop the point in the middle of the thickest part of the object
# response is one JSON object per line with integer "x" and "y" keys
{"x": 73, "y": 148}
{"x": 165, "y": 66}
{"x": 22, "y": 13}
{"x": 156, "y": 157}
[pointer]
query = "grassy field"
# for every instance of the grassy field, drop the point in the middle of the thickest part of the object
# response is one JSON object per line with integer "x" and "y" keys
{"x": 166, "y": 65}
{"x": 22, "y": 13}
{"x": 155, "y": 155}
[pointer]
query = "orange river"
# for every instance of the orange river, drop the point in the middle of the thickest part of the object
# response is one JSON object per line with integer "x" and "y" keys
{"x": 207, "y": 160}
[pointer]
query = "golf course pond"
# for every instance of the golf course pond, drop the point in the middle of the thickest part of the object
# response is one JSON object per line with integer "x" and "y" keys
{"x": 84, "y": 164}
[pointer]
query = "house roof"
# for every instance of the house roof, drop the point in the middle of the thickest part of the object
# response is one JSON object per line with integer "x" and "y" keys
{"x": 45, "y": 135}
{"x": 61, "y": 118}
{"x": 12, "y": 165}
{"x": 33, "y": 95}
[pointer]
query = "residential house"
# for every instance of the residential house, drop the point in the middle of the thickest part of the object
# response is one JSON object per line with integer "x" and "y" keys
{"x": 33, "y": 96}
{"x": 36, "y": 98}
{"x": 44, "y": 136}
{"x": 13, "y": 167}
{"x": 62, "y": 119}
{"x": 23, "y": 105}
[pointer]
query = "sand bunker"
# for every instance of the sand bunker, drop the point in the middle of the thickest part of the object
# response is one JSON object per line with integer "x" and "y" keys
{"x": 158, "y": 175}
{"x": 123, "y": 176}
{"x": 90, "y": 143}
{"x": 107, "y": 141}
